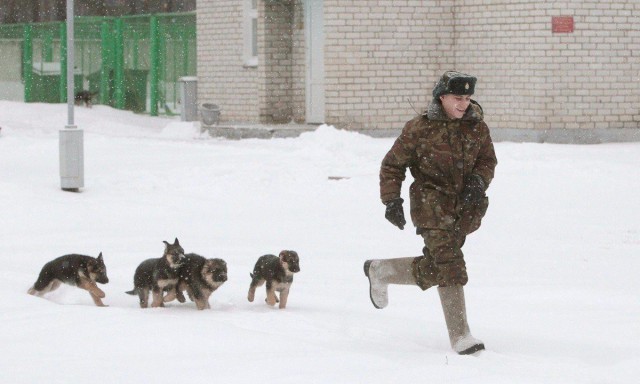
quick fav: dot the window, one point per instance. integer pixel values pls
(251, 33)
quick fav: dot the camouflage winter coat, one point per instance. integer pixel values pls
(440, 153)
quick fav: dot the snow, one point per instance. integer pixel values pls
(553, 288)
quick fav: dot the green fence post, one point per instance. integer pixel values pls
(27, 64)
(107, 62)
(155, 68)
(185, 54)
(63, 62)
(136, 43)
(47, 49)
(119, 64)
(163, 68)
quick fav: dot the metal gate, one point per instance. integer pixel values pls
(130, 62)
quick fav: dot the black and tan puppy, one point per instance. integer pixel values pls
(278, 272)
(85, 98)
(200, 277)
(77, 270)
(158, 275)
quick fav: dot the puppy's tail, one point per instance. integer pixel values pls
(252, 275)
(132, 292)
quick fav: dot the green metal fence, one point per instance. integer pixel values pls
(131, 62)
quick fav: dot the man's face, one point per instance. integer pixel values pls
(455, 105)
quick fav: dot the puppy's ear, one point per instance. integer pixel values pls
(286, 253)
(100, 257)
(176, 242)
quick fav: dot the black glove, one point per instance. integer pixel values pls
(395, 213)
(473, 191)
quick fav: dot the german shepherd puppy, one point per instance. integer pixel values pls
(77, 270)
(278, 272)
(200, 277)
(84, 97)
(158, 275)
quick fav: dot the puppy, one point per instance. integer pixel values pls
(200, 277)
(84, 97)
(158, 275)
(77, 270)
(278, 272)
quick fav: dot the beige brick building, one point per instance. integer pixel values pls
(547, 70)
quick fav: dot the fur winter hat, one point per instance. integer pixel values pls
(454, 82)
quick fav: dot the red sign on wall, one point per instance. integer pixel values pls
(562, 24)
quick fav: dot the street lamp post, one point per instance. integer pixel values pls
(71, 138)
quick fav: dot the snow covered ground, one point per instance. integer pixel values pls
(553, 287)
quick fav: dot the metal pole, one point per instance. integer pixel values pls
(155, 64)
(105, 67)
(70, 63)
(27, 66)
(119, 64)
(63, 63)
(71, 138)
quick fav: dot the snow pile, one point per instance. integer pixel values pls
(552, 292)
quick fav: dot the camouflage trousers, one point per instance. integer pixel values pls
(442, 263)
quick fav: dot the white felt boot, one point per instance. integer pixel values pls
(455, 315)
(383, 272)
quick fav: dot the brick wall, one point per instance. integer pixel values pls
(276, 58)
(532, 78)
(380, 53)
(298, 68)
(272, 91)
(383, 56)
(223, 78)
